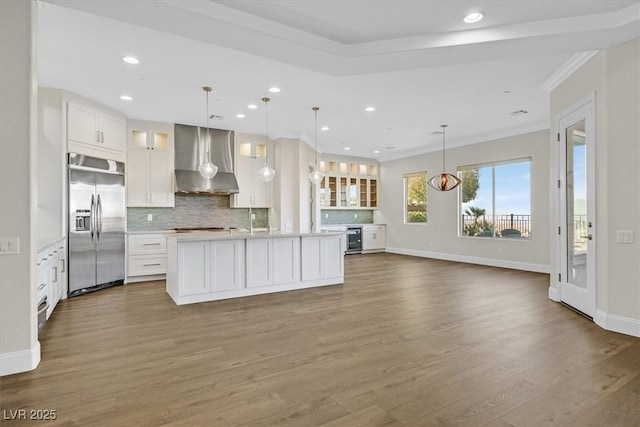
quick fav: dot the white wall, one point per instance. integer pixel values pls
(438, 238)
(614, 76)
(19, 347)
(292, 191)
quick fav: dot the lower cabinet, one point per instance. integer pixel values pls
(52, 266)
(207, 270)
(322, 257)
(373, 238)
(147, 257)
(208, 266)
(273, 261)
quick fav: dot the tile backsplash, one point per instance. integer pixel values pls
(195, 211)
(346, 216)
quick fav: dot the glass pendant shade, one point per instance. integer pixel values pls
(207, 168)
(315, 176)
(266, 173)
(444, 181)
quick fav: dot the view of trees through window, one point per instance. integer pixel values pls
(415, 191)
(496, 200)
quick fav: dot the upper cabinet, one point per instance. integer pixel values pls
(349, 184)
(150, 164)
(250, 155)
(95, 130)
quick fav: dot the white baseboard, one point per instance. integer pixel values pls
(492, 262)
(20, 361)
(623, 325)
(554, 294)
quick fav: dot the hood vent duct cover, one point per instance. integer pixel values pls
(191, 149)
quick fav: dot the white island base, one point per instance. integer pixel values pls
(213, 266)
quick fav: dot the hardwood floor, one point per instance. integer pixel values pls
(404, 342)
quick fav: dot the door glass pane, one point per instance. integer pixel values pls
(577, 205)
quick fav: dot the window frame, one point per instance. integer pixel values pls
(405, 179)
(493, 165)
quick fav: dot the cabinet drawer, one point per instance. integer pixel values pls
(142, 265)
(147, 244)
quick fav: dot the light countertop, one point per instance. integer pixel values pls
(237, 234)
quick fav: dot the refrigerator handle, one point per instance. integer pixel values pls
(99, 217)
(92, 216)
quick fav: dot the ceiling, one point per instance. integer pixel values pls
(416, 62)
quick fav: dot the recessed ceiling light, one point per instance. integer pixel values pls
(376, 151)
(370, 109)
(473, 17)
(240, 116)
(126, 98)
(274, 89)
(131, 60)
(252, 106)
(324, 128)
(347, 148)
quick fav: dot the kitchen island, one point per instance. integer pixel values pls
(208, 266)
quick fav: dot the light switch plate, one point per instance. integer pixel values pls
(9, 245)
(624, 236)
(149, 217)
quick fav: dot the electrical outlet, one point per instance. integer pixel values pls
(253, 216)
(355, 215)
(150, 217)
(326, 215)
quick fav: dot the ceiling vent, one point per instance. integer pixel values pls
(518, 112)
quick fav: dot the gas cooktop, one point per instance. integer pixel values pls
(196, 229)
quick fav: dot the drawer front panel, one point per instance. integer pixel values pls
(147, 244)
(146, 265)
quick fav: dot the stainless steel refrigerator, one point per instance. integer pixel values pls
(96, 224)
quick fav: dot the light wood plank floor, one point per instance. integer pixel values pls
(404, 342)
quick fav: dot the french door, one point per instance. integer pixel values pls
(577, 220)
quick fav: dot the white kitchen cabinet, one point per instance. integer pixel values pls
(194, 274)
(349, 183)
(51, 266)
(147, 257)
(95, 130)
(205, 267)
(227, 265)
(273, 261)
(250, 154)
(373, 238)
(150, 164)
(322, 257)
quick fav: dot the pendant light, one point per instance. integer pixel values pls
(266, 173)
(444, 181)
(315, 176)
(207, 168)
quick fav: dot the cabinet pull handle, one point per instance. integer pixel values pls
(101, 137)
(55, 274)
(64, 265)
(150, 244)
(97, 136)
(42, 286)
(150, 265)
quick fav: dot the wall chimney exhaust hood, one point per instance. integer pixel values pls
(191, 149)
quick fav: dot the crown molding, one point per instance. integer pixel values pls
(506, 133)
(567, 69)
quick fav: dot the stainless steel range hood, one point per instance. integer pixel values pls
(190, 153)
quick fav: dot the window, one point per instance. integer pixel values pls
(496, 199)
(415, 196)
